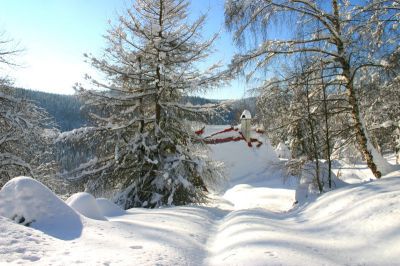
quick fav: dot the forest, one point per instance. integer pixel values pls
(65, 110)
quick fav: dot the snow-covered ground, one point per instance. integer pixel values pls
(249, 221)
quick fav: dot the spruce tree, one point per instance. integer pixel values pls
(146, 153)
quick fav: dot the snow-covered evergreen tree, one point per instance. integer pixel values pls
(146, 153)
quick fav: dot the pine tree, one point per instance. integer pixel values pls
(146, 153)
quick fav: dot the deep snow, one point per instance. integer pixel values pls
(85, 204)
(250, 221)
(27, 201)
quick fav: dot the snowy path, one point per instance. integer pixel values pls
(355, 225)
(358, 225)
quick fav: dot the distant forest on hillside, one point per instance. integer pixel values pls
(66, 109)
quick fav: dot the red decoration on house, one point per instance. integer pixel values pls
(210, 140)
(200, 131)
(224, 140)
(236, 135)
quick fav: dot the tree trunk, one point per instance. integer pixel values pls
(360, 133)
(141, 111)
(361, 136)
(397, 147)
(327, 138)
(158, 71)
(313, 139)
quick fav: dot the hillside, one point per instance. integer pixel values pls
(66, 108)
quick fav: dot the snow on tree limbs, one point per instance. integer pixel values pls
(348, 41)
(146, 153)
(23, 137)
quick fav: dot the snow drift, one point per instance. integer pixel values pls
(96, 209)
(29, 202)
(107, 208)
(354, 225)
(251, 222)
(85, 204)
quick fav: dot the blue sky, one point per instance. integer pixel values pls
(56, 33)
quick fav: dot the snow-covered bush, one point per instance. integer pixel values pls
(308, 185)
(107, 208)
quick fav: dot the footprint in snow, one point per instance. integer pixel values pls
(136, 247)
(31, 258)
(271, 253)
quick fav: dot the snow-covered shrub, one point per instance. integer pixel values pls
(25, 139)
(308, 184)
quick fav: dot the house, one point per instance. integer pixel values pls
(244, 154)
(243, 132)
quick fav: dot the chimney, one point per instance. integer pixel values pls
(245, 122)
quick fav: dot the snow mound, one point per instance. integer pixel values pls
(85, 204)
(107, 208)
(29, 202)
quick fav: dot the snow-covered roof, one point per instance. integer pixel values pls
(246, 115)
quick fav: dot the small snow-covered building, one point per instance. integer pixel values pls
(245, 125)
(244, 133)
(244, 149)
